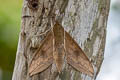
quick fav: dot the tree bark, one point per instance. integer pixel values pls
(85, 20)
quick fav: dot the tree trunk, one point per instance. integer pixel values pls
(85, 20)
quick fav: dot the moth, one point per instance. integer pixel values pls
(57, 47)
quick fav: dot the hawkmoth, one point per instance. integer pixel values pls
(57, 46)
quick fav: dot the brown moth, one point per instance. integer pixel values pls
(55, 48)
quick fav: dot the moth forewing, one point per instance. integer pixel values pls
(43, 56)
(76, 57)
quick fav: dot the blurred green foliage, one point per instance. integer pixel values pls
(116, 6)
(10, 16)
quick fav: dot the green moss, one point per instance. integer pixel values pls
(101, 5)
(89, 43)
(77, 76)
(64, 5)
(65, 75)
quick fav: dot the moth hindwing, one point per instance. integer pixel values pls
(57, 45)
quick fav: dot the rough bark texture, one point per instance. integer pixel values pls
(85, 20)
